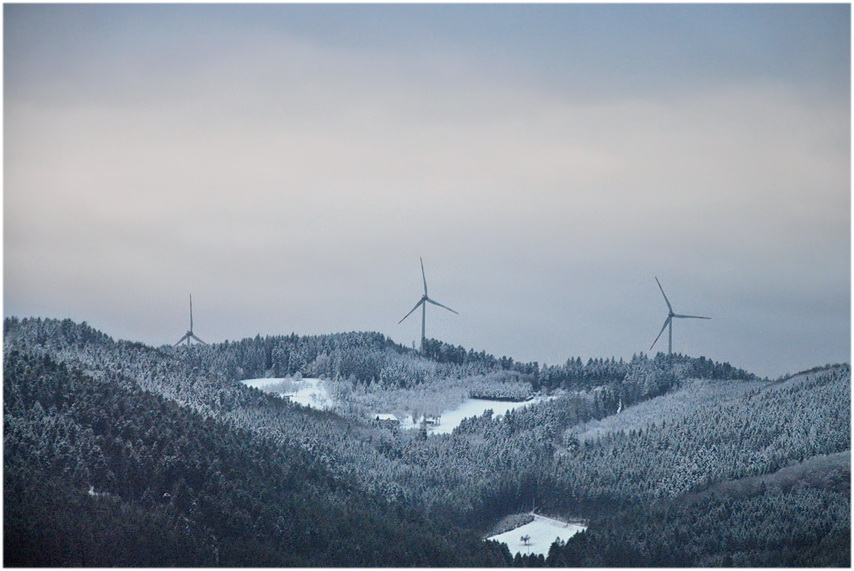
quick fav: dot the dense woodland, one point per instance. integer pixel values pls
(174, 462)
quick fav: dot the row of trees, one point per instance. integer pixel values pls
(368, 358)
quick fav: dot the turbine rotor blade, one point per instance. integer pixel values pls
(423, 276)
(191, 312)
(670, 307)
(691, 316)
(197, 339)
(184, 338)
(440, 305)
(663, 327)
(411, 310)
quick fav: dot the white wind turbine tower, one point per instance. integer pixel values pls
(423, 305)
(189, 334)
(669, 321)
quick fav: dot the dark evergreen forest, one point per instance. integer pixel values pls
(121, 454)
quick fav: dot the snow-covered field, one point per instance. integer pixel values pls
(542, 533)
(469, 407)
(315, 393)
(307, 392)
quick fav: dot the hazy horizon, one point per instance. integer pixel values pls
(287, 165)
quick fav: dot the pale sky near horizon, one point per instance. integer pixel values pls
(287, 165)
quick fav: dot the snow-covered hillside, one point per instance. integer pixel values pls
(66, 384)
(693, 394)
(308, 392)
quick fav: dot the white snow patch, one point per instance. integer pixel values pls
(451, 419)
(309, 392)
(316, 393)
(543, 531)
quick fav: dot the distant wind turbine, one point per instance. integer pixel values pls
(669, 321)
(423, 305)
(189, 334)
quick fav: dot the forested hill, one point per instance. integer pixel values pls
(164, 445)
(99, 472)
(370, 358)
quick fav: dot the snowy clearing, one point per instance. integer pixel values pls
(541, 532)
(315, 393)
(451, 419)
(307, 392)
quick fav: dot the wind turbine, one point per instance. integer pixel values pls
(189, 334)
(669, 321)
(423, 305)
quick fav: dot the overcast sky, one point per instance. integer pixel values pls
(288, 166)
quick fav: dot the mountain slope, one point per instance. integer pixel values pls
(170, 487)
(759, 432)
(758, 480)
(796, 517)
